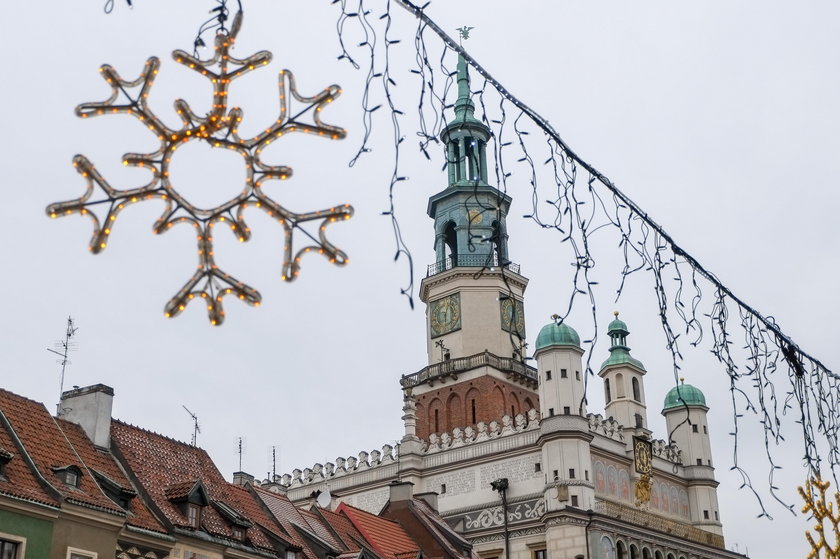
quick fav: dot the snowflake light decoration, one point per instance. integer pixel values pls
(219, 128)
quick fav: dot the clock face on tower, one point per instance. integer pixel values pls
(445, 315)
(513, 315)
(643, 457)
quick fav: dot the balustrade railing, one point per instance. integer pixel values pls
(471, 261)
(460, 364)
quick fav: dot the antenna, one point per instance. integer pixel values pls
(196, 428)
(240, 449)
(63, 349)
(273, 473)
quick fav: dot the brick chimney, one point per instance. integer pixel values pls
(241, 478)
(90, 408)
(400, 491)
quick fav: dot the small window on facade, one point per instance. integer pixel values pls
(442, 488)
(574, 500)
(537, 467)
(705, 431)
(694, 428)
(607, 392)
(577, 375)
(586, 474)
(540, 554)
(699, 461)
(571, 473)
(639, 421)
(73, 553)
(567, 410)
(706, 514)
(9, 549)
(716, 515)
(550, 412)
(556, 475)
(237, 534)
(637, 391)
(548, 375)
(709, 461)
(563, 373)
(71, 477)
(437, 421)
(291, 555)
(472, 404)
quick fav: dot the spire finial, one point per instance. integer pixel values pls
(615, 314)
(682, 380)
(555, 317)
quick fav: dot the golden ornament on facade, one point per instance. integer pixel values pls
(643, 490)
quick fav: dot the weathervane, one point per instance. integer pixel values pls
(465, 32)
(219, 129)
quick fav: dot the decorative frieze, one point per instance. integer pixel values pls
(342, 467)
(482, 432)
(493, 517)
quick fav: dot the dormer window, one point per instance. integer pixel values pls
(5, 458)
(237, 534)
(194, 515)
(69, 475)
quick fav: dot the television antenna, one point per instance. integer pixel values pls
(196, 428)
(63, 349)
(240, 449)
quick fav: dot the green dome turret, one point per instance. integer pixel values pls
(557, 334)
(619, 352)
(683, 395)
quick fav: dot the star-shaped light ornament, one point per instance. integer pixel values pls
(219, 128)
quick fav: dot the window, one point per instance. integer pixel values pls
(586, 474)
(11, 549)
(694, 428)
(563, 373)
(550, 412)
(537, 467)
(73, 553)
(574, 500)
(640, 423)
(442, 488)
(237, 534)
(706, 514)
(556, 475)
(607, 393)
(548, 375)
(705, 431)
(437, 421)
(577, 375)
(567, 410)
(571, 473)
(540, 554)
(716, 516)
(194, 515)
(472, 405)
(699, 461)
(290, 555)
(637, 391)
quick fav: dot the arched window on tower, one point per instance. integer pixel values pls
(497, 238)
(473, 163)
(450, 238)
(455, 160)
(637, 392)
(607, 391)
(619, 386)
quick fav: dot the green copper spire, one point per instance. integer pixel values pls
(464, 107)
(619, 352)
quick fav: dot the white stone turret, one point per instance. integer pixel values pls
(624, 389)
(685, 416)
(564, 430)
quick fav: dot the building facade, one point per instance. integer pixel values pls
(519, 467)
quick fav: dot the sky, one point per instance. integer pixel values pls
(719, 119)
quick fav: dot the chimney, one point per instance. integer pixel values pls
(90, 408)
(400, 491)
(241, 478)
(431, 499)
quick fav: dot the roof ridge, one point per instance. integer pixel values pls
(149, 431)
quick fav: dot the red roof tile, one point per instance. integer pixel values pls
(49, 449)
(104, 464)
(288, 516)
(386, 537)
(168, 470)
(20, 481)
(343, 528)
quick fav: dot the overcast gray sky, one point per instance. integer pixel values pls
(720, 119)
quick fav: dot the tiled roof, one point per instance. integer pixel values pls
(168, 469)
(435, 536)
(103, 463)
(20, 481)
(48, 447)
(386, 537)
(288, 516)
(345, 531)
